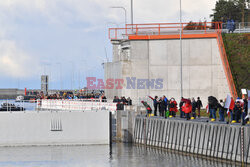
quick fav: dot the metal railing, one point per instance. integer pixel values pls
(164, 29)
(74, 105)
(226, 66)
(56, 105)
(242, 27)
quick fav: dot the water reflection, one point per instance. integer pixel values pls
(119, 154)
(148, 156)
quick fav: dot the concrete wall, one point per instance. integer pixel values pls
(124, 122)
(54, 128)
(209, 139)
(203, 73)
(8, 93)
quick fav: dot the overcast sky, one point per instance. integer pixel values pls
(66, 39)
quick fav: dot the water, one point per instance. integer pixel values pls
(27, 105)
(121, 155)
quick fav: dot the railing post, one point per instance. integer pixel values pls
(115, 33)
(159, 29)
(181, 28)
(126, 30)
(205, 27)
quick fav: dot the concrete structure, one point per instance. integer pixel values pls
(54, 128)
(209, 139)
(124, 121)
(10, 93)
(45, 84)
(203, 73)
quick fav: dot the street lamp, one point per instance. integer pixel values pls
(60, 75)
(132, 11)
(125, 12)
(181, 48)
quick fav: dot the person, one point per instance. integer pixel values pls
(162, 106)
(116, 100)
(198, 106)
(221, 110)
(245, 111)
(212, 105)
(129, 101)
(166, 103)
(148, 108)
(124, 100)
(104, 99)
(182, 114)
(237, 112)
(173, 107)
(187, 107)
(155, 103)
(193, 108)
(233, 25)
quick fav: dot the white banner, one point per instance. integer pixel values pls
(228, 101)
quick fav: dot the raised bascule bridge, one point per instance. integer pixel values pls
(190, 60)
(174, 58)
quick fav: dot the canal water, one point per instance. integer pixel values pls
(27, 105)
(120, 155)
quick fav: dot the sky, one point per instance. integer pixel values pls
(68, 39)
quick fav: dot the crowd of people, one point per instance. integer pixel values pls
(191, 108)
(122, 100)
(72, 95)
(169, 107)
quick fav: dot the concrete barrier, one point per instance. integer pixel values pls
(54, 128)
(209, 139)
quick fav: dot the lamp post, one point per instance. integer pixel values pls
(125, 12)
(181, 49)
(60, 75)
(132, 13)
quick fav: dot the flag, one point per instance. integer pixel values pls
(207, 108)
(229, 104)
(231, 107)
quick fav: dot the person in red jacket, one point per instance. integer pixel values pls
(173, 107)
(187, 107)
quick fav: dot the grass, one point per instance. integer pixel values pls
(237, 47)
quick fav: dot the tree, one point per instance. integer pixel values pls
(225, 10)
(243, 5)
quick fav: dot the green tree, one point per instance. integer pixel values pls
(225, 10)
(243, 5)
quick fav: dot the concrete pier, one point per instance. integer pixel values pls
(223, 141)
(54, 128)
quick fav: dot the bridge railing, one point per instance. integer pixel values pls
(163, 29)
(241, 27)
(226, 66)
(56, 105)
(74, 105)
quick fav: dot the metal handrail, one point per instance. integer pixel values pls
(58, 105)
(226, 66)
(159, 28)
